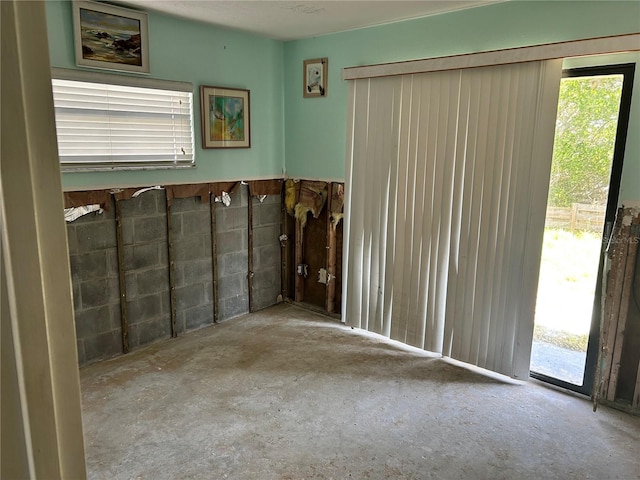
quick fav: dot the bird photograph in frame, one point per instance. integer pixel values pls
(315, 77)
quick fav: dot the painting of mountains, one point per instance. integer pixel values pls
(111, 37)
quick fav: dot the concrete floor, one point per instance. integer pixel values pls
(288, 394)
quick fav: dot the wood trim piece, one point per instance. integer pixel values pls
(331, 253)
(214, 259)
(250, 248)
(124, 322)
(299, 283)
(35, 256)
(172, 265)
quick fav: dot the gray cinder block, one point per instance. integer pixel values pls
(96, 235)
(89, 266)
(141, 256)
(152, 281)
(189, 296)
(150, 229)
(234, 306)
(144, 308)
(233, 263)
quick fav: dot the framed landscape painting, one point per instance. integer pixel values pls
(226, 121)
(110, 37)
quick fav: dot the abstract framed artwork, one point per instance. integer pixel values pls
(111, 37)
(226, 117)
(315, 77)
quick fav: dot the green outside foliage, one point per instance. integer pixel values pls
(585, 135)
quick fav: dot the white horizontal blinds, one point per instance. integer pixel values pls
(111, 126)
(447, 178)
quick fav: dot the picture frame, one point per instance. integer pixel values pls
(110, 37)
(226, 117)
(315, 77)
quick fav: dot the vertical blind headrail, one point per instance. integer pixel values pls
(549, 51)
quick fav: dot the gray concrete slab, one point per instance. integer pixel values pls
(561, 363)
(287, 394)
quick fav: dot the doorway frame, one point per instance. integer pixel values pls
(627, 70)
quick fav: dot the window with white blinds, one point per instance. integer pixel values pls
(112, 126)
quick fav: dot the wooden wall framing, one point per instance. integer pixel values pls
(618, 357)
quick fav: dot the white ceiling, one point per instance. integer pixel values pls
(292, 20)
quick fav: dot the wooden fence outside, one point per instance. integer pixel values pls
(579, 216)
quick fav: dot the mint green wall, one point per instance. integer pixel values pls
(204, 55)
(315, 139)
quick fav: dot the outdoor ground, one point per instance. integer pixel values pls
(566, 290)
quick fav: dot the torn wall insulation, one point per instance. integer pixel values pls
(73, 213)
(313, 196)
(291, 194)
(218, 188)
(337, 203)
(126, 193)
(225, 199)
(146, 189)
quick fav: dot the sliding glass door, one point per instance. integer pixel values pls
(591, 129)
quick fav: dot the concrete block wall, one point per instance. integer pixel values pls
(94, 266)
(96, 294)
(144, 232)
(191, 230)
(267, 220)
(232, 246)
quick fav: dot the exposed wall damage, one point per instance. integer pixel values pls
(618, 374)
(164, 260)
(154, 262)
(317, 250)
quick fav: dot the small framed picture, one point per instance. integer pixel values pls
(315, 77)
(226, 117)
(110, 37)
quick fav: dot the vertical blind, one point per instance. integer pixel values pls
(110, 126)
(447, 180)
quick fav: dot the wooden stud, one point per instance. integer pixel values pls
(284, 250)
(299, 293)
(214, 258)
(612, 306)
(121, 279)
(250, 247)
(331, 253)
(635, 404)
(625, 296)
(172, 268)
